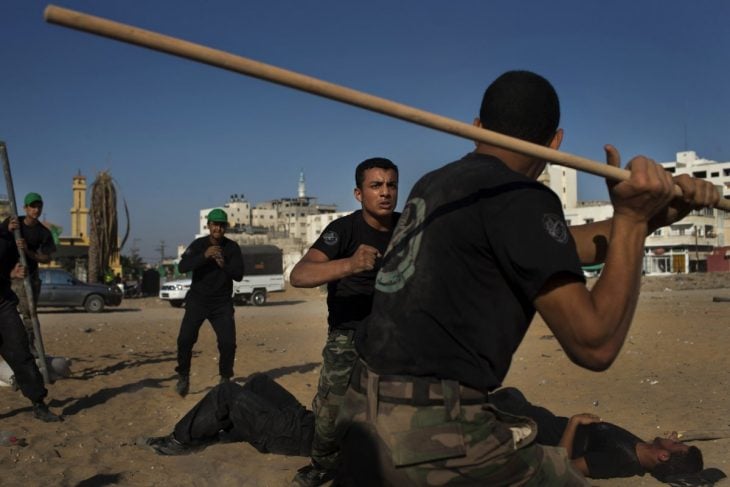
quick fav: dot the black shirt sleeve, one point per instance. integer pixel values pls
(233, 258)
(532, 240)
(192, 258)
(333, 240)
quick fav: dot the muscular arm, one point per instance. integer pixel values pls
(315, 268)
(591, 326)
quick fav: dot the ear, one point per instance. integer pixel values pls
(557, 139)
(358, 194)
(478, 124)
(663, 455)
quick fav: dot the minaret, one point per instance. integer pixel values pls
(302, 188)
(79, 211)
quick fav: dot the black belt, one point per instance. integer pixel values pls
(413, 390)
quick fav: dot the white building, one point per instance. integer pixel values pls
(681, 247)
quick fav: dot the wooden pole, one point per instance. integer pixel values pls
(38, 342)
(238, 64)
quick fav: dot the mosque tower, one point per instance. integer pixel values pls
(302, 189)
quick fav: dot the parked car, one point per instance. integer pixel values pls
(61, 289)
(174, 291)
(262, 274)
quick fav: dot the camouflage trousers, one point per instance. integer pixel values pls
(394, 443)
(338, 358)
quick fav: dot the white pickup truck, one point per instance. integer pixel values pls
(262, 274)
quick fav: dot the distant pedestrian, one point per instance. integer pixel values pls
(216, 262)
(39, 247)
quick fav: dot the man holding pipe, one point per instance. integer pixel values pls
(480, 247)
(39, 247)
(14, 347)
(346, 257)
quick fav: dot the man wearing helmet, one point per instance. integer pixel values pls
(215, 262)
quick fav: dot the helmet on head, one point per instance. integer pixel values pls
(218, 216)
(31, 198)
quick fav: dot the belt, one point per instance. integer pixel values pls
(413, 390)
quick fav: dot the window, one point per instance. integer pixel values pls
(700, 174)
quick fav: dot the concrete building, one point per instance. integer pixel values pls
(680, 248)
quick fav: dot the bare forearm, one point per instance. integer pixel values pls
(616, 292)
(313, 274)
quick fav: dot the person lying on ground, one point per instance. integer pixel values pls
(261, 412)
(599, 449)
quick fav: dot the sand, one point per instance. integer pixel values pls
(672, 374)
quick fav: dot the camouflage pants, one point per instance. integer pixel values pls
(338, 359)
(398, 444)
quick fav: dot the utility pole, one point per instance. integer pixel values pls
(161, 249)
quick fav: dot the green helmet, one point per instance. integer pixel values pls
(31, 198)
(217, 215)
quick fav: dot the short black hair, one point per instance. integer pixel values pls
(521, 104)
(679, 463)
(379, 162)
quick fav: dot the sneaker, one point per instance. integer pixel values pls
(41, 411)
(183, 385)
(168, 445)
(312, 475)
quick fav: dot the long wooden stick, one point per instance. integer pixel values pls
(38, 339)
(239, 64)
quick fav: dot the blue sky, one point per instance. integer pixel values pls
(649, 76)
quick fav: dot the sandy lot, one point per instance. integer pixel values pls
(672, 375)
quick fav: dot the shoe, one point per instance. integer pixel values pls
(183, 385)
(312, 475)
(168, 445)
(41, 411)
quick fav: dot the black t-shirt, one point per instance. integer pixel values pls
(210, 282)
(609, 450)
(8, 259)
(349, 299)
(37, 238)
(475, 244)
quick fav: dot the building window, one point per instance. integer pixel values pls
(715, 175)
(700, 174)
(589, 220)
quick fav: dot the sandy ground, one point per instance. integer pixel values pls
(672, 375)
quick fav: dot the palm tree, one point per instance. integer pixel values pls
(103, 235)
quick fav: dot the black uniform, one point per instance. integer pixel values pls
(37, 239)
(261, 413)
(349, 299)
(14, 346)
(609, 450)
(209, 297)
(475, 244)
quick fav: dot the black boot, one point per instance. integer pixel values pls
(168, 445)
(41, 411)
(313, 475)
(183, 385)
